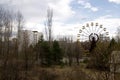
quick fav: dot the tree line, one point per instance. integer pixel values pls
(18, 59)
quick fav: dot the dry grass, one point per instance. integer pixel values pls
(69, 73)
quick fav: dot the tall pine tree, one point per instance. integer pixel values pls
(56, 53)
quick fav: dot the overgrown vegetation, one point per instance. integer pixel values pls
(50, 59)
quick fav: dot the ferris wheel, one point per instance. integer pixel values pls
(92, 30)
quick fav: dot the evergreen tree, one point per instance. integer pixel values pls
(46, 54)
(112, 46)
(43, 53)
(38, 50)
(56, 53)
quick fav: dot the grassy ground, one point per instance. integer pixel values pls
(69, 73)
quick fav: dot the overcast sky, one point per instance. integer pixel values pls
(68, 15)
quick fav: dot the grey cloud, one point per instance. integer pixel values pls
(36, 9)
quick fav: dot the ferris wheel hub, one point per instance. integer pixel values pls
(93, 36)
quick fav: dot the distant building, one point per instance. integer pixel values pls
(32, 37)
(115, 61)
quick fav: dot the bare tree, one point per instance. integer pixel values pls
(117, 38)
(20, 23)
(1, 28)
(8, 68)
(118, 34)
(25, 51)
(69, 50)
(7, 31)
(48, 25)
(78, 51)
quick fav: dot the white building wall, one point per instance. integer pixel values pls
(30, 34)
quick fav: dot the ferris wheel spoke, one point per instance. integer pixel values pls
(103, 30)
(85, 33)
(83, 39)
(88, 28)
(96, 29)
(100, 31)
(85, 30)
(92, 28)
(99, 28)
(84, 36)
